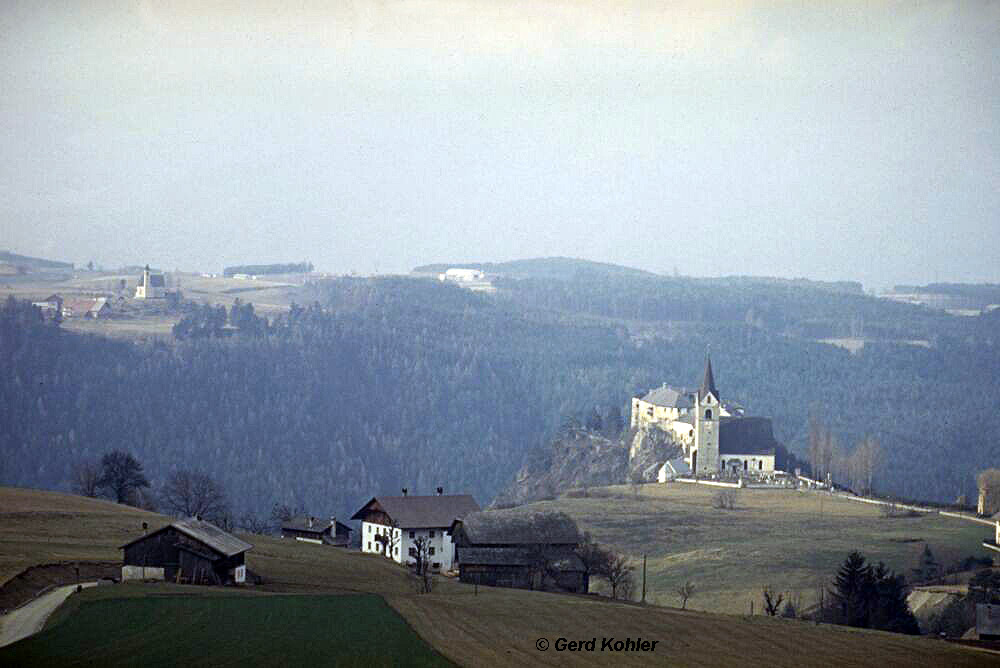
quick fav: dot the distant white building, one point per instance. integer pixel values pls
(151, 286)
(470, 279)
(391, 525)
(464, 275)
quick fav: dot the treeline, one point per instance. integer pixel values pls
(389, 383)
(291, 268)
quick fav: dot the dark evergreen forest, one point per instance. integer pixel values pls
(394, 382)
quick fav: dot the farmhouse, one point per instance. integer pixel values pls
(312, 530)
(85, 307)
(391, 525)
(190, 550)
(151, 286)
(714, 435)
(522, 550)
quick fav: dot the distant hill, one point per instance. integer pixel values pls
(560, 268)
(32, 263)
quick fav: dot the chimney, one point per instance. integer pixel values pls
(405, 491)
(440, 491)
(333, 523)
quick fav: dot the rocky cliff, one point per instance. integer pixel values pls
(579, 459)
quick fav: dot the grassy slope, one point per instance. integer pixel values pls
(497, 627)
(38, 527)
(275, 630)
(793, 541)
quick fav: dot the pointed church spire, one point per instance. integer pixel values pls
(708, 384)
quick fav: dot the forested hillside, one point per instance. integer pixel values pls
(389, 383)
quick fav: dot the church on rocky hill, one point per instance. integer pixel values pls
(715, 436)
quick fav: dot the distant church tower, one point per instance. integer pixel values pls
(705, 457)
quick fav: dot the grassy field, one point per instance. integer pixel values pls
(493, 627)
(793, 541)
(38, 527)
(174, 629)
(500, 627)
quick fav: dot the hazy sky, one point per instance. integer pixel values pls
(828, 140)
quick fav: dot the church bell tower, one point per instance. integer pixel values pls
(705, 459)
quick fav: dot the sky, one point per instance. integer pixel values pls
(828, 140)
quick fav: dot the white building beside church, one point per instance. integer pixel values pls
(391, 525)
(715, 436)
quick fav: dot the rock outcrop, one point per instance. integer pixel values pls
(580, 459)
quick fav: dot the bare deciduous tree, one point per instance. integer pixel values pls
(772, 601)
(121, 476)
(388, 538)
(86, 475)
(421, 566)
(194, 494)
(685, 591)
(619, 573)
(864, 463)
(252, 523)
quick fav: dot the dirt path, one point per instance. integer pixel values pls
(30, 617)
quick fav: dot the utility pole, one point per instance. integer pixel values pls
(643, 577)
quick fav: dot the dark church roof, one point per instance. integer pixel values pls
(746, 436)
(518, 527)
(156, 281)
(708, 383)
(421, 512)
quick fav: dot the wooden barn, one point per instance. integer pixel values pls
(190, 550)
(313, 530)
(524, 550)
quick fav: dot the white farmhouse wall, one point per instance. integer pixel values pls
(406, 539)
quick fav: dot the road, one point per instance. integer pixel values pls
(30, 617)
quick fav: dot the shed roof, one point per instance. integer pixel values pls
(670, 397)
(419, 512)
(205, 533)
(319, 525)
(519, 527)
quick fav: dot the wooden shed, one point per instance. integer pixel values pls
(189, 550)
(524, 550)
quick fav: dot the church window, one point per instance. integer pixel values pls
(760, 465)
(708, 413)
(744, 465)
(432, 533)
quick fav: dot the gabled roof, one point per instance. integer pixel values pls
(319, 525)
(746, 436)
(670, 397)
(206, 533)
(420, 512)
(708, 382)
(519, 527)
